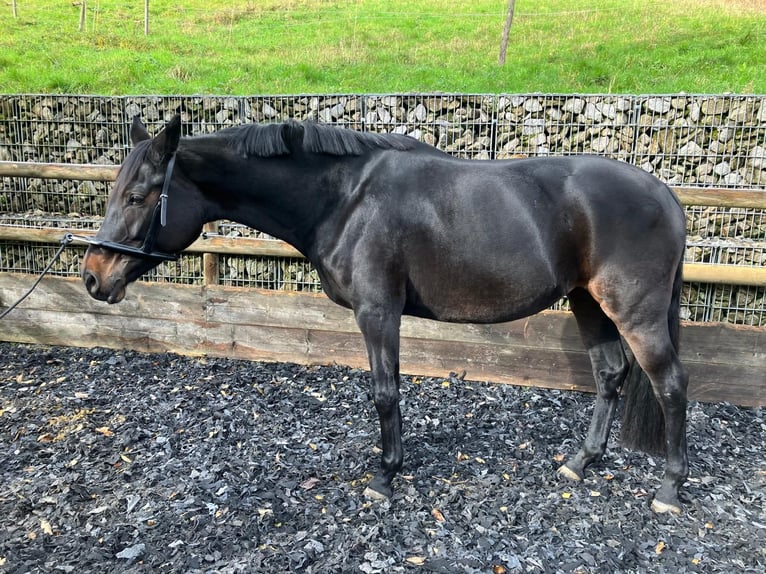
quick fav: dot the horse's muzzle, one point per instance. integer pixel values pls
(101, 281)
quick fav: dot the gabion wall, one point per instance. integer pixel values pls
(685, 140)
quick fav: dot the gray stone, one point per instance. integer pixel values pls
(574, 105)
(592, 113)
(691, 148)
(533, 105)
(658, 105)
(757, 157)
(722, 168)
(600, 144)
(533, 126)
(421, 113)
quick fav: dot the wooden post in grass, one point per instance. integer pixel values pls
(146, 17)
(506, 31)
(15, 11)
(82, 15)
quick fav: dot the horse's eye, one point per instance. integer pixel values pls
(135, 199)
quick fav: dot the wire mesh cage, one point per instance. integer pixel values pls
(277, 273)
(740, 304)
(690, 140)
(21, 257)
(344, 110)
(557, 124)
(62, 129)
(703, 140)
(24, 257)
(461, 125)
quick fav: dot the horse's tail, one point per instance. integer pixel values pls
(643, 422)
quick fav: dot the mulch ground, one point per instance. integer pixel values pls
(128, 462)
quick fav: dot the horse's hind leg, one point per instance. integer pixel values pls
(656, 353)
(610, 367)
(648, 320)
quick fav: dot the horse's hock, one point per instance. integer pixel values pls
(692, 142)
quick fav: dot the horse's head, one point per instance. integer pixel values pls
(141, 228)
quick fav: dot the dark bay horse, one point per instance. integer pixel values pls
(394, 227)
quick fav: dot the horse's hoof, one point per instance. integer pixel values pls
(662, 507)
(374, 495)
(564, 470)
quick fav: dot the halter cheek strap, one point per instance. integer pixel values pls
(165, 188)
(159, 219)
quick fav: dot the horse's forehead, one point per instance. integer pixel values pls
(148, 173)
(145, 176)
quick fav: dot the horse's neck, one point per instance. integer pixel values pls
(283, 196)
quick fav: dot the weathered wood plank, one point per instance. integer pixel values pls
(155, 300)
(716, 197)
(725, 274)
(725, 362)
(59, 170)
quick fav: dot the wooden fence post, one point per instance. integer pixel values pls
(506, 31)
(210, 263)
(83, 9)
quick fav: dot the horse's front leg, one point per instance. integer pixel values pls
(380, 328)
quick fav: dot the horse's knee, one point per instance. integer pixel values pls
(386, 399)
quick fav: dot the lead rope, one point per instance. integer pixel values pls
(65, 241)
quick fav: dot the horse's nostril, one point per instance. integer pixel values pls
(91, 281)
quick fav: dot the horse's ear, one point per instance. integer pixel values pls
(165, 143)
(138, 132)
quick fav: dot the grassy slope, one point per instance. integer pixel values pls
(313, 46)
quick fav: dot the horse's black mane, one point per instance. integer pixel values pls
(268, 140)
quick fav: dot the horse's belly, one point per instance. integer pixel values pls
(482, 301)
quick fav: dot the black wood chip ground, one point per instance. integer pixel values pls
(129, 462)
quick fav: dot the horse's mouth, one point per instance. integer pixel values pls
(111, 291)
(117, 294)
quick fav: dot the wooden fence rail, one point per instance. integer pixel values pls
(216, 245)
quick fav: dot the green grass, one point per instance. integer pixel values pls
(320, 46)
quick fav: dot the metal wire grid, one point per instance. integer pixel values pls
(62, 129)
(38, 220)
(186, 271)
(723, 222)
(208, 114)
(703, 140)
(684, 139)
(68, 197)
(461, 125)
(233, 229)
(727, 236)
(551, 124)
(21, 257)
(738, 304)
(277, 273)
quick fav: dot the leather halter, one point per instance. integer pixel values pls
(159, 219)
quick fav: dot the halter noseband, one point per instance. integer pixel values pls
(159, 219)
